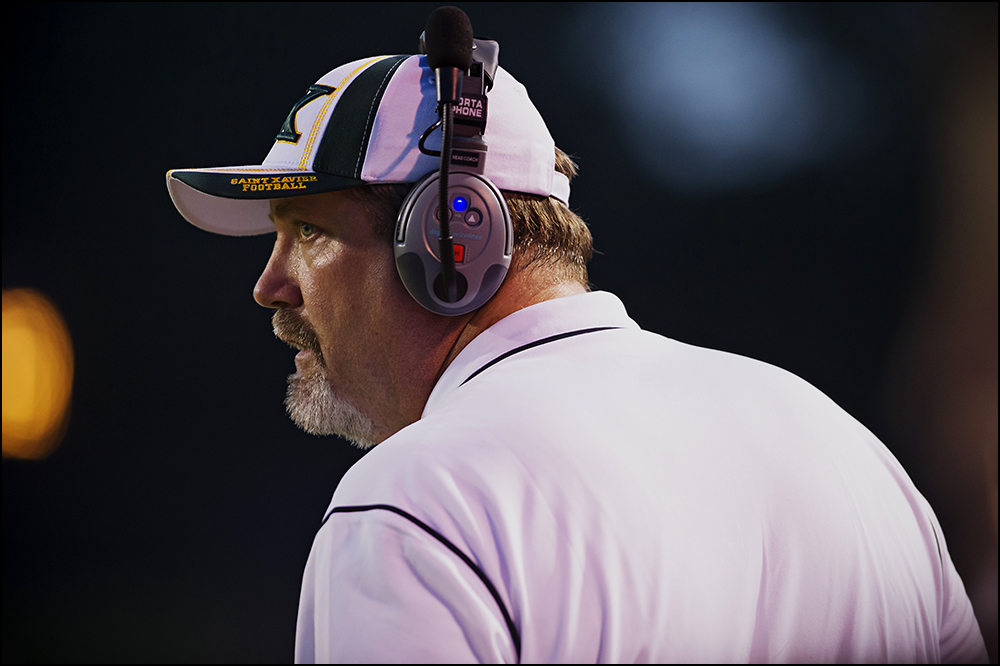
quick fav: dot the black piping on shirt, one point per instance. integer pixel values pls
(514, 633)
(536, 343)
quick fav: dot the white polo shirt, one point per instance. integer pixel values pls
(615, 496)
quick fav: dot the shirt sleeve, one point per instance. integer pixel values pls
(380, 587)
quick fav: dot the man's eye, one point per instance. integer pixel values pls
(306, 230)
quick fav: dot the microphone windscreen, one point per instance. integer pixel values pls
(448, 37)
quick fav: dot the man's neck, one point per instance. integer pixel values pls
(520, 290)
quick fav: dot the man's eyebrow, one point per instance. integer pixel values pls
(280, 209)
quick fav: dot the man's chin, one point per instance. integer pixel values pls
(314, 407)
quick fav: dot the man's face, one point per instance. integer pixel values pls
(339, 300)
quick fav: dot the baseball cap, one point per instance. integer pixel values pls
(361, 124)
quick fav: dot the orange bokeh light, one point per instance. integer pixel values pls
(37, 374)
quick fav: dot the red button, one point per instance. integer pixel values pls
(459, 253)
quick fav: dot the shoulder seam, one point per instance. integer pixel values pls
(514, 633)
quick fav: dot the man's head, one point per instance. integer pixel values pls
(346, 157)
(369, 352)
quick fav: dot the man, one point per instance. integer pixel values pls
(551, 483)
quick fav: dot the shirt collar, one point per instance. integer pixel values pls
(553, 317)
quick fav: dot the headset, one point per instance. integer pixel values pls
(454, 238)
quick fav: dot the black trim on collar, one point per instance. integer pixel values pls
(536, 343)
(514, 633)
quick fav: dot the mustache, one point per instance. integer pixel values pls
(295, 331)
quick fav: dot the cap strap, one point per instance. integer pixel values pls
(560, 187)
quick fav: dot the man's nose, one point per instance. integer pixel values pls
(277, 286)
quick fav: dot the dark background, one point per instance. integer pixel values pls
(173, 522)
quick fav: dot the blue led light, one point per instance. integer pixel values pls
(460, 204)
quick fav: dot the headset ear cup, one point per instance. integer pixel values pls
(461, 284)
(483, 235)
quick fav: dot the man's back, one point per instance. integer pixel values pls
(612, 495)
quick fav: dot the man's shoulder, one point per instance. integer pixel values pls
(534, 412)
(431, 457)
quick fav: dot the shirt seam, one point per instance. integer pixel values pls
(511, 627)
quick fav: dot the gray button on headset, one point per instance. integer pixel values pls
(437, 215)
(473, 218)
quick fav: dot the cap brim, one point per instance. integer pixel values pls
(234, 200)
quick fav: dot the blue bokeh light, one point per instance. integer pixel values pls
(719, 96)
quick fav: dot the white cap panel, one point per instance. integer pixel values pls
(408, 108)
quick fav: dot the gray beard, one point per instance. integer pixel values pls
(314, 407)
